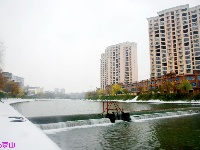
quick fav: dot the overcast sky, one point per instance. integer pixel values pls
(58, 43)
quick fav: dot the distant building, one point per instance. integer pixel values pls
(174, 42)
(34, 90)
(56, 90)
(119, 64)
(62, 91)
(14, 78)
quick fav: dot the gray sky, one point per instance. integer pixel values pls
(58, 43)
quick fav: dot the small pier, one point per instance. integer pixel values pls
(115, 111)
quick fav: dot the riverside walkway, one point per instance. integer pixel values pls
(18, 133)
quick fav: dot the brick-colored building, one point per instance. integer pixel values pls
(145, 86)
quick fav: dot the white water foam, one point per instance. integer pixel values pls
(74, 124)
(146, 117)
(54, 131)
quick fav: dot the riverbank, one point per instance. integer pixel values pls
(18, 132)
(152, 101)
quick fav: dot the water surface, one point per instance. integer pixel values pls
(179, 133)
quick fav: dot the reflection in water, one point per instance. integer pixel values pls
(173, 133)
(118, 136)
(128, 135)
(179, 133)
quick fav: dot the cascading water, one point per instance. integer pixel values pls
(72, 123)
(163, 115)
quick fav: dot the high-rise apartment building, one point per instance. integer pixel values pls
(174, 41)
(119, 64)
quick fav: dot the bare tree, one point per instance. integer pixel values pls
(2, 48)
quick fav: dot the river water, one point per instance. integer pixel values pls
(58, 119)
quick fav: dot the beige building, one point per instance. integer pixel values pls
(34, 90)
(119, 64)
(174, 41)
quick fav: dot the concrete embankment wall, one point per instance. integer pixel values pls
(17, 132)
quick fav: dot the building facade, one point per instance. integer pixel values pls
(62, 91)
(14, 78)
(119, 64)
(174, 41)
(31, 91)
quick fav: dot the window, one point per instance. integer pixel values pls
(194, 24)
(158, 70)
(161, 19)
(198, 67)
(188, 61)
(184, 14)
(164, 68)
(187, 52)
(187, 48)
(194, 16)
(197, 53)
(188, 66)
(187, 57)
(186, 44)
(184, 18)
(185, 9)
(194, 20)
(186, 39)
(193, 84)
(197, 58)
(195, 36)
(194, 11)
(170, 80)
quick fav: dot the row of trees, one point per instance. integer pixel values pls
(9, 88)
(169, 97)
(110, 93)
(169, 87)
(49, 95)
(168, 91)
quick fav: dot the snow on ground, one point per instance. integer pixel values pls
(20, 133)
(150, 101)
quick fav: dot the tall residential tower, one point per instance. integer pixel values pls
(119, 64)
(174, 41)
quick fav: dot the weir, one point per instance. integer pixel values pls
(115, 111)
(72, 123)
(152, 116)
(112, 111)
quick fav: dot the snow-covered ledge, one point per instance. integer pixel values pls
(18, 133)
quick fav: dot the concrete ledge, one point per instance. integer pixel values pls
(15, 128)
